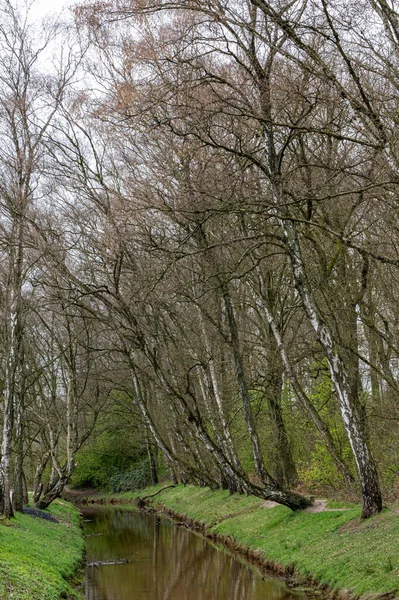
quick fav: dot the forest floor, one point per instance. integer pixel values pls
(327, 547)
(40, 553)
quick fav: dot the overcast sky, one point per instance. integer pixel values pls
(43, 8)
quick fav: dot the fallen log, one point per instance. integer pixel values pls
(102, 563)
(141, 501)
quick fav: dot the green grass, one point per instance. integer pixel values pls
(37, 556)
(335, 547)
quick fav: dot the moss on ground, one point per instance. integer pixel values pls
(336, 547)
(38, 558)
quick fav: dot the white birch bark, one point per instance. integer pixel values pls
(354, 427)
(302, 396)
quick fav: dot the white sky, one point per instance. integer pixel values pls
(43, 8)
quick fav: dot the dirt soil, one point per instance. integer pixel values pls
(319, 505)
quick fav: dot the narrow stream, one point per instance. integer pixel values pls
(166, 562)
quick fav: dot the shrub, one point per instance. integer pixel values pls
(137, 479)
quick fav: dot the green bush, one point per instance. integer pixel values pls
(109, 453)
(320, 472)
(137, 479)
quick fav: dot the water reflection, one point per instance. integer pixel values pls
(166, 562)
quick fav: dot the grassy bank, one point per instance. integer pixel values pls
(38, 557)
(333, 547)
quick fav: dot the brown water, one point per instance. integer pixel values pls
(166, 562)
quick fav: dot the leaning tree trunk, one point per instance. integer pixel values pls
(151, 458)
(305, 400)
(352, 417)
(54, 493)
(285, 470)
(260, 469)
(216, 414)
(219, 431)
(37, 482)
(271, 491)
(72, 443)
(169, 453)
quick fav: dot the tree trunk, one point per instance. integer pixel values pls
(151, 459)
(6, 456)
(305, 401)
(352, 417)
(285, 470)
(14, 359)
(260, 469)
(54, 493)
(232, 484)
(18, 499)
(270, 492)
(37, 482)
(25, 493)
(1, 493)
(60, 475)
(212, 384)
(170, 455)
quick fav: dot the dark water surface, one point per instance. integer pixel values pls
(166, 562)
